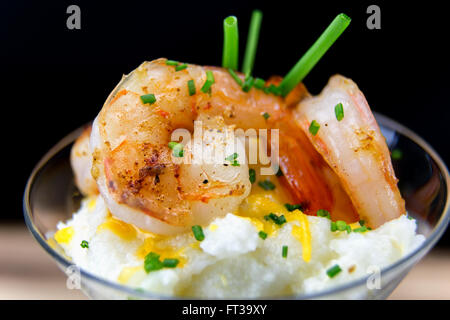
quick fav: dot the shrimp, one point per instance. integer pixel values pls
(354, 148)
(133, 165)
(81, 162)
(144, 184)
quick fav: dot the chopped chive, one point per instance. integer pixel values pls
(172, 63)
(259, 83)
(279, 220)
(148, 98)
(210, 76)
(334, 270)
(409, 217)
(152, 262)
(333, 226)
(248, 83)
(323, 213)
(230, 53)
(170, 263)
(84, 244)
(339, 111)
(252, 175)
(361, 229)
(252, 42)
(284, 252)
(198, 233)
(348, 229)
(292, 207)
(341, 225)
(266, 115)
(362, 223)
(172, 144)
(396, 154)
(177, 149)
(232, 157)
(262, 235)
(191, 87)
(274, 89)
(181, 67)
(313, 55)
(314, 127)
(209, 81)
(233, 160)
(235, 76)
(266, 185)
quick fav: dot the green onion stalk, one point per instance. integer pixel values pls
(314, 54)
(230, 54)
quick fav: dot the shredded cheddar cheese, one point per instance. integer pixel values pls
(64, 235)
(127, 273)
(121, 229)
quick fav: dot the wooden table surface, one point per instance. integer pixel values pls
(27, 272)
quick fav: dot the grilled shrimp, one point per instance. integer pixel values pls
(81, 162)
(137, 175)
(354, 148)
(142, 183)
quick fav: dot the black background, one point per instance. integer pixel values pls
(55, 79)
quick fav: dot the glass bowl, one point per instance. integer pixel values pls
(51, 196)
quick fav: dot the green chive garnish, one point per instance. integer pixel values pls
(361, 229)
(314, 127)
(177, 149)
(152, 262)
(362, 223)
(323, 213)
(266, 185)
(232, 157)
(209, 81)
(252, 175)
(274, 89)
(248, 83)
(259, 83)
(148, 98)
(266, 115)
(252, 42)
(396, 154)
(313, 55)
(235, 76)
(292, 207)
(284, 252)
(333, 226)
(341, 225)
(334, 270)
(170, 263)
(339, 111)
(262, 235)
(279, 220)
(181, 67)
(84, 244)
(230, 53)
(198, 233)
(233, 160)
(172, 63)
(191, 87)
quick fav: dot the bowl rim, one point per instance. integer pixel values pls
(437, 232)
